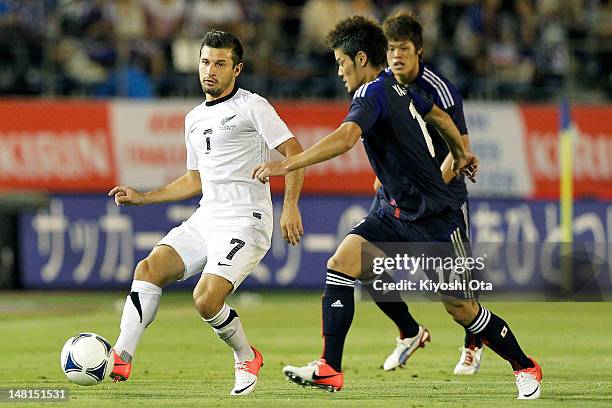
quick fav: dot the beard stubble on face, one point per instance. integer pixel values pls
(217, 89)
(213, 91)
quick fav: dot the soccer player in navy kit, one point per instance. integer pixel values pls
(417, 206)
(404, 52)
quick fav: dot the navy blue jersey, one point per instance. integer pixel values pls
(399, 149)
(443, 93)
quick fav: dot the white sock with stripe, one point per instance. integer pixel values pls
(226, 324)
(138, 312)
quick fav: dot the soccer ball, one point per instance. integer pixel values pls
(87, 358)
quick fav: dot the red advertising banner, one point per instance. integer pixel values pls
(349, 173)
(592, 150)
(54, 146)
(149, 141)
(90, 146)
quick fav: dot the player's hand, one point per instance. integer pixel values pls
(125, 195)
(467, 165)
(264, 171)
(291, 224)
(471, 168)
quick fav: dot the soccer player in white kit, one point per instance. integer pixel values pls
(230, 232)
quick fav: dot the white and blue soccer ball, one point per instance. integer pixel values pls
(87, 358)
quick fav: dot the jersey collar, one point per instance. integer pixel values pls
(225, 98)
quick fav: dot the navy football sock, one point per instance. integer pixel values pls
(392, 304)
(472, 340)
(496, 334)
(338, 307)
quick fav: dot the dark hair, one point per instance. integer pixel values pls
(404, 27)
(222, 39)
(358, 33)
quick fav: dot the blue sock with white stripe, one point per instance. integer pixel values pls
(338, 308)
(496, 334)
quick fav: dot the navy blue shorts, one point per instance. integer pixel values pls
(381, 227)
(448, 231)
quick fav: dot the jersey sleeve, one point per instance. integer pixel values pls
(422, 105)
(192, 157)
(267, 122)
(365, 108)
(456, 114)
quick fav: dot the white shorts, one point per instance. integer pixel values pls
(226, 250)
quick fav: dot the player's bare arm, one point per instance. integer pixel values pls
(291, 220)
(462, 158)
(447, 165)
(336, 143)
(184, 187)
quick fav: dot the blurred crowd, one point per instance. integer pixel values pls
(492, 49)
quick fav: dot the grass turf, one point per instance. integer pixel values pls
(180, 362)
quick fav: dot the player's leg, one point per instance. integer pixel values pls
(338, 308)
(389, 302)
(209, 297)
(472, 350)
(411, 335)
(234, 255)
(393, 306)
(179, 255)
(162, 266)
(338, 301)
(494, 331)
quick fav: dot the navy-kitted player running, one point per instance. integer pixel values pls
(418, 205)
(404, 53)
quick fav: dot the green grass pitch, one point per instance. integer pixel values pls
(180, 362)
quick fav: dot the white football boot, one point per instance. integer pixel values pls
(469, 362)
(405, 348)
(317, 374)
(246, 374)
(529, 381)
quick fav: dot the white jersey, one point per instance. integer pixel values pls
(226, 138)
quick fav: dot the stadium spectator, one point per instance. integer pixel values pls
(78, 73)
(128, 19)
(318, 17)
(602, 33)
(512, 70)
(21, 24)
(164, 18)
(139, 58)
(489, 48)
(219, 14)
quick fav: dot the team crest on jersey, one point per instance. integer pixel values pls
(225, 126)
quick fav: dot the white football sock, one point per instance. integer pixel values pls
(139, 311)
(227, 325)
